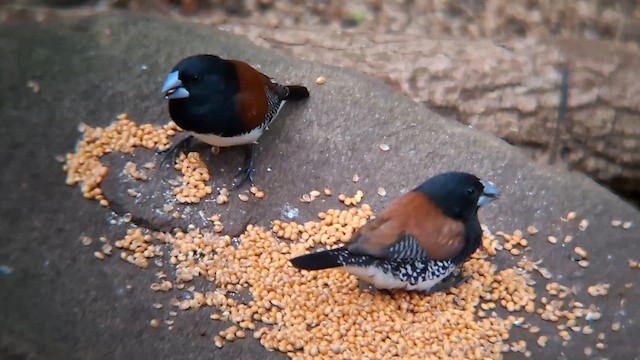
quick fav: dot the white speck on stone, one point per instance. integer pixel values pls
(289, 212)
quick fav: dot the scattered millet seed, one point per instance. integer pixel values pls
(131, 170)
(243, 197)
(221, 199)
(133, 193)
(552, 239)
(305, 198)
(157, 306)
(600, 289)
(327, 191)
(615, 326)
(214, 218)
(253, 190)
(588, 351)
(570, 216)
(86, 240)
(627, 225)
(583, 263)
(260, 194)
(382, 191)
(600, 346)
(568, 239)
(99, 255)
(355, 178)
(124, 135)
(195, 175)
(581, 252)
(154, 323)
(616, 222)
(584, 223)
(218, 341)
(633, 264)
(106, 249)
(320, 80)
(532, 230)
(384, 147)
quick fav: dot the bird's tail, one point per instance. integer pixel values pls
(321, 260)
(296, 92)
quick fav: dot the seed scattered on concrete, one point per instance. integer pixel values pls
(615, 326)
(355, 178)
(133, 193)
(570, 216)
(384, 147)
(195, 175)
(321, 80)
(382, 191)
(154, 323)
(86, 240)
(568, 239)
(581, 252)
(627, 225)
(584, 223)
(532, 230)
(131, 170)
(601, 346)
(583, 263)
(633, 264)
(99, 255)
(552, 239)
(327, 191)
(588, 351)
(106, 249)
(616, 222)
(243, 197)
(600, 289)
(157, 306)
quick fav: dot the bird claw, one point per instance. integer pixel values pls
(173, 151)
(244, 175)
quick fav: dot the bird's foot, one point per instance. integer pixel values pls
(175, 149)
(246, 173)
(243, 175)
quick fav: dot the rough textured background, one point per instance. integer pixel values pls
(61, 303)
(493, 64)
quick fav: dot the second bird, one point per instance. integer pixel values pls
(225, 103)
(418, 240)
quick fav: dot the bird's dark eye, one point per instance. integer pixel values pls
(471, 191)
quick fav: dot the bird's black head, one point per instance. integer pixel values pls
(458, 194)
(196, 77)
(200, 90)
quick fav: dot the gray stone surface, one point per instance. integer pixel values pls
(61, 303)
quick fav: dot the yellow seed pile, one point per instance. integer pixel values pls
(194, 178)
(138, 247)
(354, 200)
(124, 135)
(324, 313)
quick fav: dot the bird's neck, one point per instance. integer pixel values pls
(473, 239)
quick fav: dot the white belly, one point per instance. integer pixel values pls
(381, 280)
(226, 141)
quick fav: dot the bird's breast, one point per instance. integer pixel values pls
(227, 141)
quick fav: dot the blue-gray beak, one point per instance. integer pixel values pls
(488, 194)
(172, 87)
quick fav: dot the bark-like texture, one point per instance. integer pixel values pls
(510, 89)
